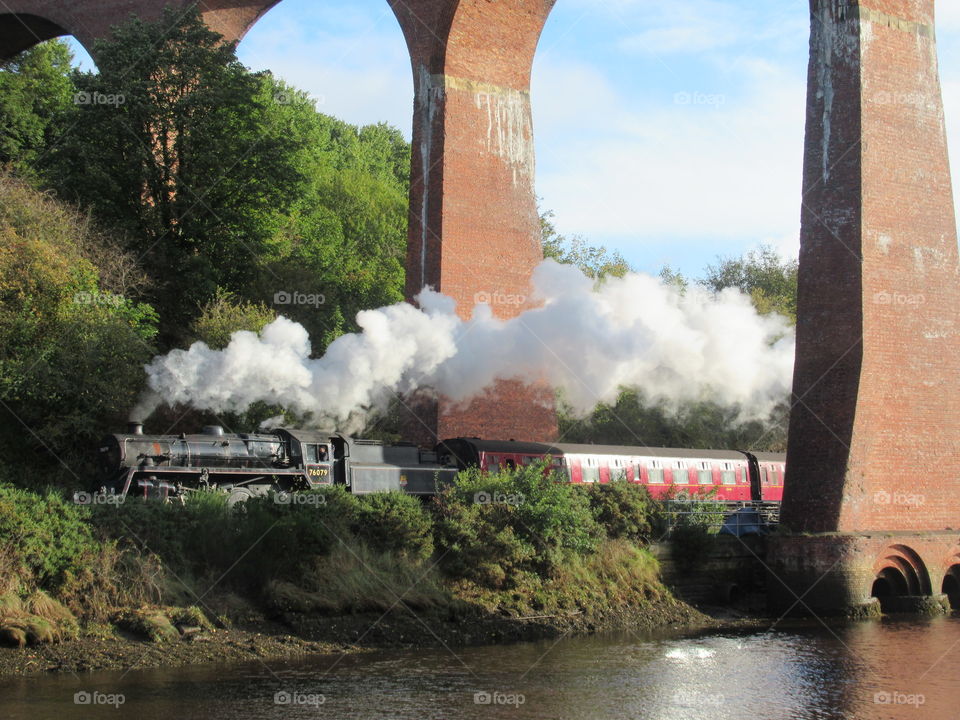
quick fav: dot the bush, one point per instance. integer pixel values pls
(624, 510)
(492, 528)
(395, 522)
(49, 536)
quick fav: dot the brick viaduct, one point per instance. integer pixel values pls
(873, 460)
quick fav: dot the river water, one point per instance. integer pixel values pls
(889, 669)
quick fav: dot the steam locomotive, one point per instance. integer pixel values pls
(289, 460)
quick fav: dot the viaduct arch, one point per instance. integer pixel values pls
(873, 458)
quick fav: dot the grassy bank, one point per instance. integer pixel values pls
(512, 546)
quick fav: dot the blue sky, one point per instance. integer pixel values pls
(670, 130)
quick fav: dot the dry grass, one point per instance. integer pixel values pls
(150, 623)
(38, 619)
(357, 579)
(115, 579)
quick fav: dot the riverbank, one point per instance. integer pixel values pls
(492, 559)
(299, 635)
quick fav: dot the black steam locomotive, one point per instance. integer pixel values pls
(247, 465)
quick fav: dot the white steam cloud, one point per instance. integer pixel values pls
(590, 342)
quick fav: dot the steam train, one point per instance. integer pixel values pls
(289, 460)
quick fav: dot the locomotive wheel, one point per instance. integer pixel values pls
(238, 495)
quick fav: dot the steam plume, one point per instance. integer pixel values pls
(634, 332)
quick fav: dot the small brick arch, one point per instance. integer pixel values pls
(951, 578)
(899, 570)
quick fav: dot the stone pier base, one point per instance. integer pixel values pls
(858, 575)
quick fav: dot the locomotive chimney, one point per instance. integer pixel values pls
(135, 428)
(213, 430)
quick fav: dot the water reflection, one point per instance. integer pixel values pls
(894, 669)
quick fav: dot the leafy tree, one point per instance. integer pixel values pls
(344, 243)
(225, 314)
(182, 148)
(36, 91)
(769, 280)
(594, 260)
(72, 345)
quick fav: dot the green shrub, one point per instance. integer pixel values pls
(49, 536)
(493, 528)
(624, 510)
(395, 522)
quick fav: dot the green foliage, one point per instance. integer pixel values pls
(623, 509)
(595, 261)
(182, 148)
(72, 338)
(493, 529)
(394, 522)
(224, 315)
(634, 420)
(49, 536)
(36, 92)
(770, 281)
(691, 524)
(354, 578)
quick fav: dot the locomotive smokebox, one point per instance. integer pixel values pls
(135, 428)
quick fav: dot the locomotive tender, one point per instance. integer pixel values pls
(288, 460)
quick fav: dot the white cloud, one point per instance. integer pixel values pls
(694, 165)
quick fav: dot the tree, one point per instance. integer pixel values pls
(73, 336)
(594, 260)
(186, 152)
(769, 280)
(36, 91)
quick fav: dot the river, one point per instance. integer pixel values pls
(889, 669)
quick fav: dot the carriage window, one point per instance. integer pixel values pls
(526, 460)
(728, 476)
(680, 473)
(510, 464)
(764, 478)
(656, 475)
(705, 474)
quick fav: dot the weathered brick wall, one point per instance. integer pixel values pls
(875, 430)
(474, 229)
